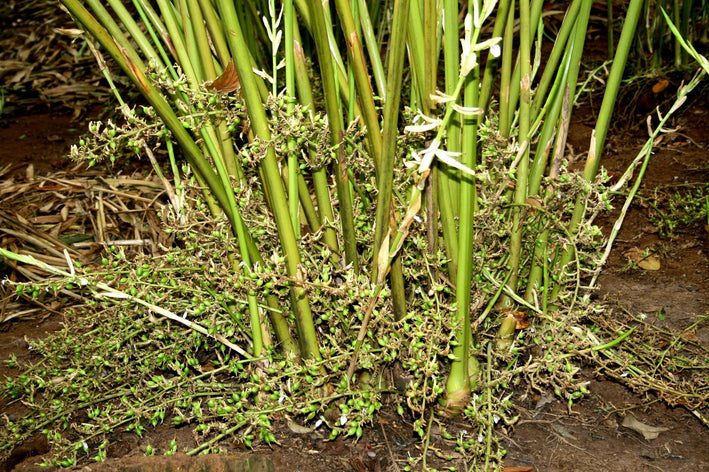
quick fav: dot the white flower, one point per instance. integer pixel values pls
(468, 60)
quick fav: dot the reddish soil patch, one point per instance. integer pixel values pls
(40, 140)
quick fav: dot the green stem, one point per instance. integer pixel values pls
(522, 170)
(458, 384)
(372, 49)
(328, 72)
(612, 86)
(603, 123)
(361, 76)
(385, 175)
(498, 30)
(293, 166)
(272, 180)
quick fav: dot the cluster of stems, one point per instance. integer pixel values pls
(369, 56)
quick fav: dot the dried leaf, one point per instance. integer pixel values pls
(648, 432)
(298, 429)
(534, 201)
(228, 81)
(73, 32)
(522, 319)
(643, 260)
(650, 263)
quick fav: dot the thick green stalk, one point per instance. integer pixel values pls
(372, 49)
(242, 235)
(431, 52)
(449, 177)
(444, 200)
(534, 16)
(506, 73)
(216, 33)
(522, 171)
(613, 85)
(603, 123)
(564, 86)
(181, 51)
(424, 171)
(560, 47)
(201, 52)
(304, 13)
(311, 216)
(395, 68)
(417, 59)
(204, 56)
(125, 56)
(503, 7)
(334, 113)
(131, 27)
(293, 166)
(458, 384)
(158, 33)
(278, 321)
(272, 180)
(325, 220)
(558, 119)
(193, 52)
(121, 50)
(341, 74)
(549, 129)
(357, 61)
(424, 64)
(344, 194)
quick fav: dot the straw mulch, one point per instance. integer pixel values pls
(70, 217)
(41, 65)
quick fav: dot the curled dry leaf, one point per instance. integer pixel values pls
(228, 81)
(642, 259)
(648, 432)
(534, 201)
(298, 429)
(650, 263)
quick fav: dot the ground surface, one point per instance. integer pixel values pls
(548, 437)
(553, 439)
